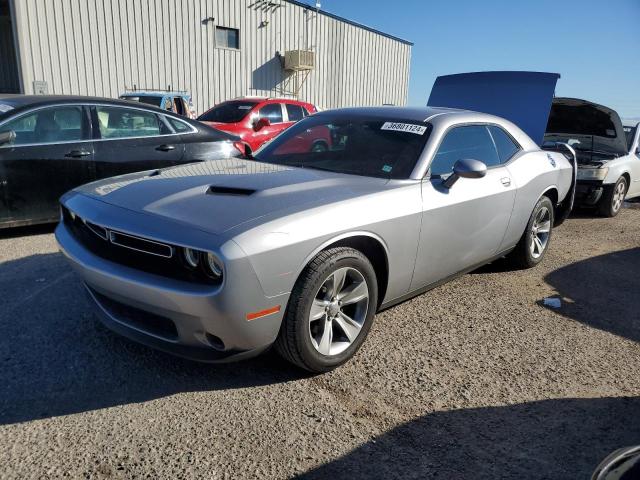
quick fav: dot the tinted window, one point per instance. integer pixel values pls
(115, 122)
(464, 142)
(178, 126)
(273, 112)
(148, 99)
(506, 146)
(295, 112)
(228, 112)
(357, 146)
(227, 37)
(49, 125)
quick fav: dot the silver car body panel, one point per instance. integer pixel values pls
(284, 216)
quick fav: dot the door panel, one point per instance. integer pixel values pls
(37, 170)
(132, 140)
(462, 226)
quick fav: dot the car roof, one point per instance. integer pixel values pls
(154, 93)
(267, 99)
(417, 114)
(18, 101)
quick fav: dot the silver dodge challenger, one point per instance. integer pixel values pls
(346, 213)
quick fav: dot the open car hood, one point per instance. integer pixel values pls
(523, 98)
(586, 126)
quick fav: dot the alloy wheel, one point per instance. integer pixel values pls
(338, 311)
(618, 196)
(540, 231)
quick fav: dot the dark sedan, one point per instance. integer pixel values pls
(51, 144)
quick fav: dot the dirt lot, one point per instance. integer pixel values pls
(476, 379)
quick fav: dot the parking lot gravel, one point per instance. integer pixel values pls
(476, 379)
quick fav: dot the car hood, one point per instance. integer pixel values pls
(218, 195)
(587, 127)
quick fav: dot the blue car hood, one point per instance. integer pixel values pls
(523, 98)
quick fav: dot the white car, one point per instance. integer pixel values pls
(608, 153)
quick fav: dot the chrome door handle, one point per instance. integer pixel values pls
(77, 154)
(506, 181)
(165, 148)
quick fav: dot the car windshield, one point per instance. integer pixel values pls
(148, 99)
(373, 147)
(228, 112)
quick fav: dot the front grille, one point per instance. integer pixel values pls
(140, 244)
(132, 251)
(140, 319)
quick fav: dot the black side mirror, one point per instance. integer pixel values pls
(466, 168)
(7, 137)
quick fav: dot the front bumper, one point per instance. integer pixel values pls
(589, 192)
(199, 322)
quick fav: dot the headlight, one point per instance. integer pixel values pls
(202, 263)
(191, 257)
(592, 173)
(213, 266)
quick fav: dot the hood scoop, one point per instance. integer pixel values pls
(235, 191)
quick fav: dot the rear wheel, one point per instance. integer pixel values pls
(319, 146)
(535, 240)
(613, 198)
(330, 311)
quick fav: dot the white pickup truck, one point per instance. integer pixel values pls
(608, 152)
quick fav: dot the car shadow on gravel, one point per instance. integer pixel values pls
(565, 438)
(57, 359)
(602, 292)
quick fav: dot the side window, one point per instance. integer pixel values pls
(116, 122)
(180, 108)
(272, 111)
(178, 126)
(473, 141)
(49, 125)
(506, 146)
(295, 112)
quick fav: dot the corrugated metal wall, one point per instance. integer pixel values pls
(98, 47)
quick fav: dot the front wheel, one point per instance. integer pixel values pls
(613, 198)
(330, 311)
(535, 240)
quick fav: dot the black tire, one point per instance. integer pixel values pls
(319, 146)
(294, 342)
(522, 257)
(609, 204)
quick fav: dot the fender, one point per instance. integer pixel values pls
(343, 236)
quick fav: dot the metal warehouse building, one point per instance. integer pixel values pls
(215, 49)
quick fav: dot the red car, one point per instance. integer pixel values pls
(256, 120)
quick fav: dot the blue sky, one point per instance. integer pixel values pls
(593, 44)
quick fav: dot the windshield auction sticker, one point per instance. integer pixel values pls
(5, 108)
(404, 127)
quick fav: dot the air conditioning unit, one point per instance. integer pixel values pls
(298, 60)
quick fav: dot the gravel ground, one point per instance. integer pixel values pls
(475, 379)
